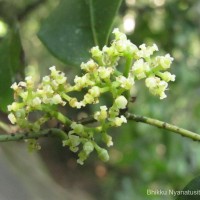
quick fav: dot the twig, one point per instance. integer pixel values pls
(60, 133)
(164, 125)
(33, 135)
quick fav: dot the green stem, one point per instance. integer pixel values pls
(59, 116)
(129, 61)
(33, 135)
(89, 120)
(164, 125)
(128, 65)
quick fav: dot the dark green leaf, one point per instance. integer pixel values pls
(10, 65)
(191, 190)
(77, 25)
(103, 13)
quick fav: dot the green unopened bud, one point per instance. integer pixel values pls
(88, 147)
(103, 154)
(107, 139)
(167, 76)
(96, 52)
(121, 102)
(78, 128)
(164, 61)
(94, 91)
(12, 118)
(82, 157)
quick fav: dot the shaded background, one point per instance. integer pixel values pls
(143, 157)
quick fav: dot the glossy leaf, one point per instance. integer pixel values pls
(191, 190)
(10, 64)
(103, 13)
(77, 25)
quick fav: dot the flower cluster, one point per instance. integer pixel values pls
(100, 75)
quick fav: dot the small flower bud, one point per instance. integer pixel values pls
(164, 61)
(88, 98)
(101, 115)
(167, 76)
(121, 102)
(88, 147)
(96, 52)
(46, 79)
(107, 139)
(117, 121)
(105, 72)
(14, 86)
(94, 91)
(78, 128)
(36, 102)
(90, 66)
(103, 154)
(12, 118)
(56, 99)
(151, 82)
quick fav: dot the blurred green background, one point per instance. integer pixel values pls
(143, 157)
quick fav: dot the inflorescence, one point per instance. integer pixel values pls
(100, 75)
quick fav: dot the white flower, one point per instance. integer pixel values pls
(88, 147)
(14, 86)
(36, 102)
(96, 52)
(13, 107)
(151, 82)
(24, 95)
(121, 102)
(90, 66)
(131, 48)
(79, 104)
(61, 79)
(164, 61)
(108, 140)
(140, 68)
(156, 86)
(126, 83)
(29, 80)
(47, 89)
(88, 99)
(154, 47)
(54, 84)
(46, 79)
(167, 76)
(117, 121)
(78, 128)
(52, 69)
(146, 52)
(163, 95)
(81, 82)
(94, 91)
(75, 104)
(119, 35)
(102, 114)
(105, 72)
(56, 99)
(22, 84)
(12, 118)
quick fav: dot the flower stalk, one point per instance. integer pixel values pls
(101, 74)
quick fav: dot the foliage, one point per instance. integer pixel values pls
(100, 75)
(150, 158)
(69, 35)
